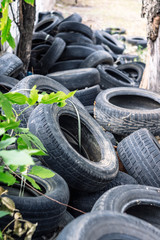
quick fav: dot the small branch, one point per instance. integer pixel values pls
(14, 19)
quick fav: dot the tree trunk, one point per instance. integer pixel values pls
(151, 77)
(26, 25)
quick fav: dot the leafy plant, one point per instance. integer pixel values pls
(18, 160)
(5, 22)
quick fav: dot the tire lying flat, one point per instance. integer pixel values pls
(119, 226)
(140, 201)
(125, 110)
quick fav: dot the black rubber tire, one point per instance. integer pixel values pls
(116, 30)
(138, 41)
(85, 201)
(125, 58)
(65, 65)
(133, 70)
(7, 83)
(142, 64)
(39, 209)
(112, 77)
(44, 15)
(111, 138)
(87, 96)
(10, 65)
(41, 38)
(79, 170)
(77, 78)
(108, 39)
(76, 52)
(36, 54)
(43, 83)
(52, 55)
(97, 58)
(75, 17)
(140, 155)
(90, 45)
(70, 26)
(125, 110)
(70, 37)
(140, 201)
(48, 25)
(108, 226)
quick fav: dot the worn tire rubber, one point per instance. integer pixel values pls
(76, 52)
(43, 83)
(77, 78)
(112, 77)
(37, 208)
(138, 41)
(125, 110)
(108, 39)
(48, 25)
(137, 200)
(70, 26)
(79, 171)
(41, 38)
(133, 70)
(10, 65)
(7, 83)
(140, 155)
(96, 58)
(87, 96)
(65, 65)
(119, 226)
(70, 37)
(85, 201)
(52, 55)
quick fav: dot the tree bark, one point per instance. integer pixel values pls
(26, 25)
(151, 77)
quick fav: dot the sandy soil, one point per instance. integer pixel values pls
(99, 14)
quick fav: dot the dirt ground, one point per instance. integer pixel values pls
(99, 14)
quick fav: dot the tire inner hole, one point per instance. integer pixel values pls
(134, 102)
(149, 213)
(89, 146)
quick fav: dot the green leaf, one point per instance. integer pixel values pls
(7, 178)
(11, 41)
(41, 172)
(2, 214)
(13, 167)
(1, 235)
(4, 14)
(7, 142)
(26, 141)
(71, 94)
(30, 2)
(16, 98)
(6, 105)
(33, 98)
(10, 125)
(36, 152)
(6, 31)
(35, 140)
(22, 130)
(5, 136)
(61, 104)
(2, 131)
(15, 157)
(32, 181)
(23, 168)
(21, 144)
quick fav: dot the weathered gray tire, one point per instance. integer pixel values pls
(87, 171)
